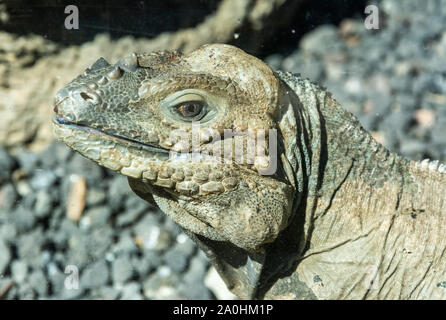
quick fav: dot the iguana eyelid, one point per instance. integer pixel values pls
(211, 104)
(184, 97)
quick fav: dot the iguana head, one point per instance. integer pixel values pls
(187, 129)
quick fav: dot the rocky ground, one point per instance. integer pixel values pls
(59, 210)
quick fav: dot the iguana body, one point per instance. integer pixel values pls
(341, 217)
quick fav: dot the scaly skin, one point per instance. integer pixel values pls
(340, 218)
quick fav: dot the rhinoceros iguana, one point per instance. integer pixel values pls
(338, 217)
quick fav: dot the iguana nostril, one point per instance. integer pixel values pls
(90, 97)
(85, 96)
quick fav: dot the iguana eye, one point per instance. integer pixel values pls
(190, 109)
(191, 105)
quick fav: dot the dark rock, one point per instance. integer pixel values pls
(28, 201)
(407, 103)
(197, 291)
(132, 214)
(8, 197)
(73, 294)
(274, 61)
(45, 257)
(77, 250)
(171, 227)
(29, 246)
(133, 202)
(43, 204)
(99, 241)
(402, 84)
(367, 121)
(43, 179)
(19, 270)
(153, 258)
(322, 40)
(95, 196)
(185, 244)
(69, 227)
(306, 66)
(118, 191)
(151, 234)
(176, 260)
(24, 219)
(95, 275)
(131, 291)
(108, 293)
(125, 244)
(27, 161)
(122, 270)
(196, 271)
(85, 248)
(57, 278)
(26, 292)
(98, 216)
(381, 103)
(5, 257)
(162, 285)
(39, 283)
(7, 163)
(413, 149)
(55, 155)
(142, 266)
(8, 231)
(85, 168)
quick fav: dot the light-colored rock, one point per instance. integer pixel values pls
(215, 283)
(76, 198)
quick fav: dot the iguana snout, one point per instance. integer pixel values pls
(96, 98)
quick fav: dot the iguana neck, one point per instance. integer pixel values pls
(373, 209)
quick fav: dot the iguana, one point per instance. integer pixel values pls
(340, 217)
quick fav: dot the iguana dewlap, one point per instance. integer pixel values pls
(340, 217)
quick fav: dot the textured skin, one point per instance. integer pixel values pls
(341, 218)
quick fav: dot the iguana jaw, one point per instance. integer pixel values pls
(119, 154)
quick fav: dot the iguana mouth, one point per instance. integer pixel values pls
(58, 120)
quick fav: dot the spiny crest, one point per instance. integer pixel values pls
(431, 165)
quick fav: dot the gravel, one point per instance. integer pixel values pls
(393, 79)
(122, 270)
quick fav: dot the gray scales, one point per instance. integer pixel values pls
(341, 217)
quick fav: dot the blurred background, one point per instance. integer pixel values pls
(64, 218)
